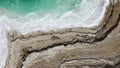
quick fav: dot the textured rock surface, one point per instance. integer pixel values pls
(97, 47)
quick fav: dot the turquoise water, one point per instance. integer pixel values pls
(27, 15)
(38, 6)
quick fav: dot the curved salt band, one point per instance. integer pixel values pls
(89, 13)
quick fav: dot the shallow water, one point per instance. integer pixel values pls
(47, 14)
(38, 6)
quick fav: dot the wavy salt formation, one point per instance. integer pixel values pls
(59, 34)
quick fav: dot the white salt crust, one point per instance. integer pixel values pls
(34, 24)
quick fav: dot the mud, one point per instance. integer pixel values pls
(96, 47)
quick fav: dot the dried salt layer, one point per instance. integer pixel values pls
(31, 15)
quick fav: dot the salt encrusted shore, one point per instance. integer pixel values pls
(69, 47)
(36, 24)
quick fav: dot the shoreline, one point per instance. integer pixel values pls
(79, 34)
(55, 26)
(96, 43)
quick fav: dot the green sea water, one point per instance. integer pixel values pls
(38, 6)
